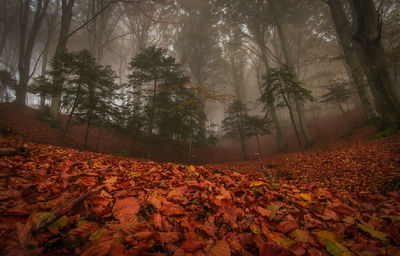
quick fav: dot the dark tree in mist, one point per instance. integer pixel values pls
(88, 88)
(282, 88)
(344, 33)
(258, 125)
(29, 29)
(165, 105)
(234, 124)
(338, 94)
(369, 36)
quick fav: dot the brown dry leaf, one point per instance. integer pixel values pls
(192, 245)
(220, 248)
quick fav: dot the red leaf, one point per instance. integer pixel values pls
(126, 209)
(167, 237)
(192, 245)
(172, 209)
(220, 248)
(263, 212)
(287, 226)
(84, 229)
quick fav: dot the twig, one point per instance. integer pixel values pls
(262, 166)
(38, 226)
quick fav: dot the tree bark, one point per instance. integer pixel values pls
(354, 68)
(368, 36)
(26, 43)
(258, 31)
(258, 142)
(291, 63)
(66, 18)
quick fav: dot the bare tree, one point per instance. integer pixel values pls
(27, 41)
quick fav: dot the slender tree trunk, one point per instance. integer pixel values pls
(258, 142)
(343, 112)
(43, 72)
(67, 125)
(150, 131)
(26, 43)
(98, 138)
(287, 103)
(294, 126)
(89, 121)
(280, 139)
(242, 139)
(66, 18)
(261, 42)
(4, 39)
(303, 124)
(291, 63)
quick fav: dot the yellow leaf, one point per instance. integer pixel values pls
(220, 197)
(257, 183)
(327, 235)
(279, 240)
(299, 235)
(191, 168)
(349, 220)
(96, 235)
(134, 174)
(60, 223)
(336, 249)
(374, 233)
(305, 197)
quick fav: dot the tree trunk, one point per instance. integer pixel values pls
(66, 18)
(353, 66)
(280, 139)
(26, 43)
(43, 72)
(261, 42)
(291, 63)
(4, 39)
(98, 138)
(258, 142)
(303, 124)
(150, 130)
(368, 36)
(87, 133)
(70, 118)
(242, 139)
(343, 112)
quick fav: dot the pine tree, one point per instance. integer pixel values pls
(281, 88)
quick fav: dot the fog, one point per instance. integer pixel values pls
(241, 76)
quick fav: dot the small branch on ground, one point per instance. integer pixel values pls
(38, 226)
(262, 166)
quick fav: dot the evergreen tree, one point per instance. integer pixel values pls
(338, 94)
(234, 124)
(258, 125)
(283, 90)
(161, 103)
(88, 92)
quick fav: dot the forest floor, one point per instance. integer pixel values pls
(340, 198)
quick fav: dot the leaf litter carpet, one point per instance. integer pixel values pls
(342, 201)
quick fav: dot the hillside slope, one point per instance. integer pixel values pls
(146, 208)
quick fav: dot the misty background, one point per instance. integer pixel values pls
(214, 78)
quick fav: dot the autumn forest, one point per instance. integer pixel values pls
(200, 127)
